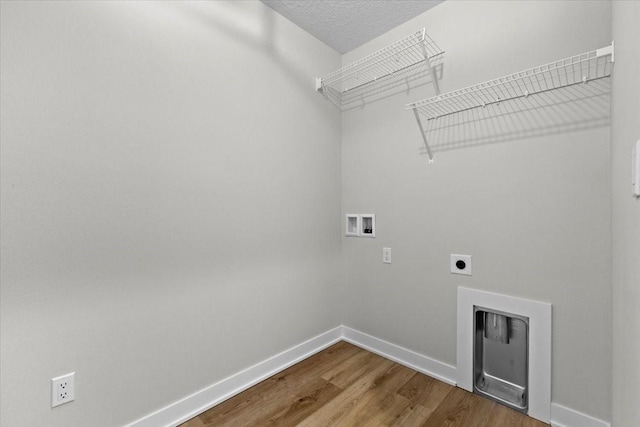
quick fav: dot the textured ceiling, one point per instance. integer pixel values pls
(347, 24)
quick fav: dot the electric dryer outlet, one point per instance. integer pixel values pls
(461, 264)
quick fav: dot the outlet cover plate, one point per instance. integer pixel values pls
(461, 264)
(63, 389)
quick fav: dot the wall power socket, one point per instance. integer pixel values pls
(63, 389)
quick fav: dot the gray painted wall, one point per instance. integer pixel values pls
(625, 130)
(156, 190)
(534, 212)
(170, 195)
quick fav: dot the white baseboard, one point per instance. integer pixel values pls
(198, 402)
(408, 358)
(561, 416)
(190, 406)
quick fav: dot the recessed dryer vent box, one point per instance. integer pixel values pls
(501, 357)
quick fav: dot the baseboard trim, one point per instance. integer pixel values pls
(401, 355)
(561, 416)
(190, 406)
(198, 402)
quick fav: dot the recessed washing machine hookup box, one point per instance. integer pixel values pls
(352, 225)
(367, 225)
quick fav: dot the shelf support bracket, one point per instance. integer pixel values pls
(609, 50)
(432, 71)
(424, 137)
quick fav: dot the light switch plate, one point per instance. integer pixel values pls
(352, 227)
(386, 255)
(635, 169)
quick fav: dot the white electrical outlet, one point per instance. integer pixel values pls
(386, 255)
(63, 389)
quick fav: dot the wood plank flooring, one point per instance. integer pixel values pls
(345, 385)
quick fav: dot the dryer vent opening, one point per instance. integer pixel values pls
(500, 357)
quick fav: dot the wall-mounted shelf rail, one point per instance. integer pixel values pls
(576, 70)
(353, 80)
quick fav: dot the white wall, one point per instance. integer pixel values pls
(171, 187)
(170, 201)
(625, 130)
(533, 212)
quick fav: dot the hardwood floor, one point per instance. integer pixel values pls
(345, 385)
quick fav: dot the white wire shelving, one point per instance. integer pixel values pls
(576, 70)
(381, 70)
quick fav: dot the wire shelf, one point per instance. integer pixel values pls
(565, 73)
(380, 69)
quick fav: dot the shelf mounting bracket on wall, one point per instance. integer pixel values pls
(424, 137)
(432, 71)
(436, 86)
